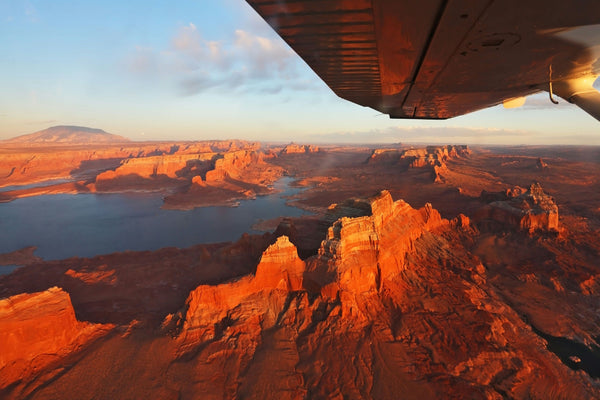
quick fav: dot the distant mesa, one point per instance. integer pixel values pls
(294, 148)
(65, 134)
(525, 209)
(433, 157)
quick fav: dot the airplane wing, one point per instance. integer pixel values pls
(438, 59)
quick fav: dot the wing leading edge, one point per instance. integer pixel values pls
(438, 59)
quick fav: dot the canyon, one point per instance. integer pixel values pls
(422, 272)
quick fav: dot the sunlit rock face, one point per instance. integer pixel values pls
(419, 157)
(294, 148)
(433, 157)
(38, 329)
(391, 299)
(351, 250)
(258, 298)
(529, 209)
(172, 166)
(232, 164)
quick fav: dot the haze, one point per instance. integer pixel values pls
(210, 70)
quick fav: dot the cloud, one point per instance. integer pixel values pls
(243, 62)
(31, 12)
(143, 61)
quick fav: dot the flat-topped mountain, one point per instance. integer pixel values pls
(66, 134)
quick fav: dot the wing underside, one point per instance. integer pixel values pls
(440, 58)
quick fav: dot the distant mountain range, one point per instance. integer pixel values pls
(65, 134)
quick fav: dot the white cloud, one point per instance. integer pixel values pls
(242, 62)
(31, 12)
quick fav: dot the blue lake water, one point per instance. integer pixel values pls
(85, 225)
(7, 269)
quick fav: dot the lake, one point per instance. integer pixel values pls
(85, 225)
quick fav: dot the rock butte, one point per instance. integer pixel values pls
(528, 210)
(370, 298)
(294, 148)
(433, 157)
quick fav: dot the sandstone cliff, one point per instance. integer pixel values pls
(251, 300)
(389, 302)
(37, 330)
(236, 175)
(528, 210)
(294, 148)
(432, 157)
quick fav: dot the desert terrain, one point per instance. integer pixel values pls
(423, 272)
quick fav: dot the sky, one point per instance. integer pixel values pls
(211, 69)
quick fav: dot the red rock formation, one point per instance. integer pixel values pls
(540, 164)
(37, 330)
(210, 308)
(529, 210)
(351, 256)
(171, 166)
(376, 315)
(294, 148)
(244, 165)
(433, 157)
(420, 157)
(236, 175)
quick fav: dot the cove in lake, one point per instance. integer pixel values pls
(573, 354)
(7, 269)
(86, 225)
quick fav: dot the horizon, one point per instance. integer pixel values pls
(281, 142)
(209, 71)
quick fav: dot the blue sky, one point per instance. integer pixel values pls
(208, 69)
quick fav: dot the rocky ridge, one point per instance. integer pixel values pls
(375, 287)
